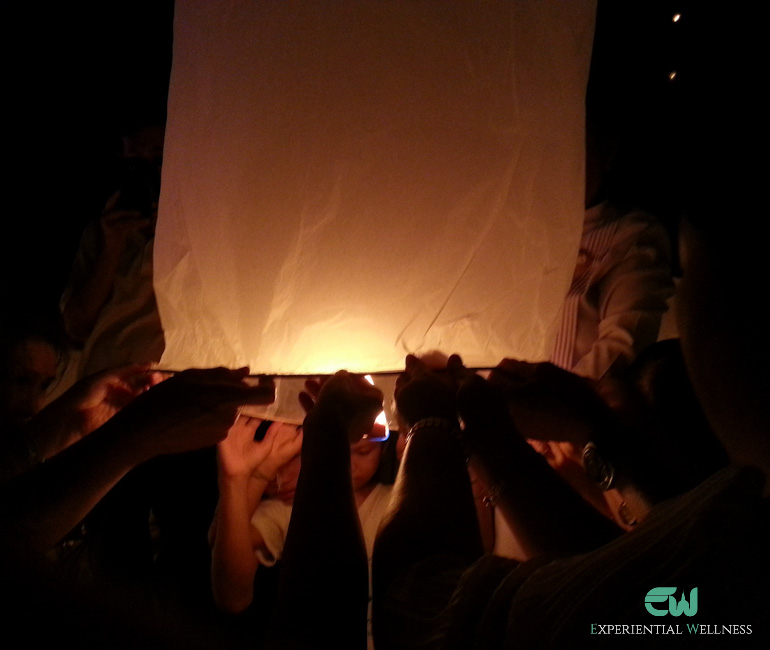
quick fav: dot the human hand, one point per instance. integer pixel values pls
(549, 403)
(349, 398)
(99, 397)
(91, 402)
(564, 457)
(424, 390)
(309, 396)
(488, 430)
(193, 409)
(240, 455)
(285, 442)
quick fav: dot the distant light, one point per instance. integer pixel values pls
(672, 75)
(676, 17)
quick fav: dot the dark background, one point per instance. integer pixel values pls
(76, 78)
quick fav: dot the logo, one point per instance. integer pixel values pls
(663, 594)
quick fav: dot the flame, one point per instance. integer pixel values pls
(380, 422)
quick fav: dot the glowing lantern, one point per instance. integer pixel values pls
(347, 182)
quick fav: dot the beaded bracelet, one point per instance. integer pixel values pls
(433, 423)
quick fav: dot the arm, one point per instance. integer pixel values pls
(631, 297)
(192, 410)
(233, 560)
(433, 517)
(325, 512)
(436, 512)
(85, 407)
(546, 514)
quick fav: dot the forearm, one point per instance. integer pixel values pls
(233, 561)
(432, 523)
(53, 430)
(547, 515)
(325, 512)
(324, 496)
(47, 502)
(434, 509)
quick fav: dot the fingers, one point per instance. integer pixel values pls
(221, 388)
(306, 401)
(131, 370)
(229, 386)
(156, 377)
(412, 363)
(433, 362)
(231, 398)
(344, 383)
(313, 387)
(513, 373)
(290, 436)
(413, 367)
(216, 376)
(296, 445)
(261, 395)
(353, 401)
(249, 425)
(287, 444)
(136, 377)
(455, 363)
(434, 365)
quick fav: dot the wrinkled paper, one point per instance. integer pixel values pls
(347, 182)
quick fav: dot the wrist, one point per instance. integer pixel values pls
(232, 474)
(325, 417)
(236, 481)
(433, 422)
(260, 474)
(411, 416)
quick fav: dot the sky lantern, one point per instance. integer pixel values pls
(348, 182)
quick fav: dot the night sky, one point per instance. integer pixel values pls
(76, 77)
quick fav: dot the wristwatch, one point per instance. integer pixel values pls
(598, 469)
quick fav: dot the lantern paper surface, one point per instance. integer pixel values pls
(347, 182)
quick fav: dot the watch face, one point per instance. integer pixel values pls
(598, 470)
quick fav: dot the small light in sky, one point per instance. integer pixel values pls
(672, 75)
(676, 17)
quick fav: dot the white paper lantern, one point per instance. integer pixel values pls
(346, 182)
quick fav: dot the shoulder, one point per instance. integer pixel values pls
(635, 233)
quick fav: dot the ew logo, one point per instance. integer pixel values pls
(663, 594)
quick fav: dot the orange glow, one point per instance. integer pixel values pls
(381, 429)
